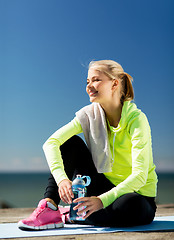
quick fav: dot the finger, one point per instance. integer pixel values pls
(68, 196)
(87, 211)
(80, 205)
(81, 211)
(63, 196)
(64, 193)
(70, 192)
(81, 199)
(88, 214)
(64, 199)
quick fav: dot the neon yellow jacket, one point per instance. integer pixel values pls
(130, 143)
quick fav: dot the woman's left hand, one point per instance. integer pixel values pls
(88, 205)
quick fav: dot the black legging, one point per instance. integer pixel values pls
(128, 210)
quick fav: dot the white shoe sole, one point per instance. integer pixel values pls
(23, 226)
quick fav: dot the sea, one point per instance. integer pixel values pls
(25, 190)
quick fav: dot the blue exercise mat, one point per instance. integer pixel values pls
(10, 230)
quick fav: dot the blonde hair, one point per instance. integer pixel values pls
(115, 71)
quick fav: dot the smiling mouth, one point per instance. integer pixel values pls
(92, 93)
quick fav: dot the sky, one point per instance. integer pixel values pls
(45, 49)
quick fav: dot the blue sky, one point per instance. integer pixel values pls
(45, 47)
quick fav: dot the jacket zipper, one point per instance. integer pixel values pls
(113, 154)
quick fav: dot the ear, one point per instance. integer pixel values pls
(115, 84)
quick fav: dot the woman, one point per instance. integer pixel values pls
(118, 157)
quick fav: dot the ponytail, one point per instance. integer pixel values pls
(127, 92)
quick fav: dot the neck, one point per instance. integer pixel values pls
(113, 112)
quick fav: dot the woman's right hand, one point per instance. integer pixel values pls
(65, 191)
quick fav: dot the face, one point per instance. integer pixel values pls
(99, 86)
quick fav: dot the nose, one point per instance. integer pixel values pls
(89, 88)
(89, 85)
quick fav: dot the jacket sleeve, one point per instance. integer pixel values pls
(52, 148)
(140, 135)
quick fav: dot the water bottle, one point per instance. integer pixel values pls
(79, 190)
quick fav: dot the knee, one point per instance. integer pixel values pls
(75, 140)
(129, 202)
(132, 209)
(73, 143)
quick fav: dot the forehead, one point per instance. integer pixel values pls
(94, 72)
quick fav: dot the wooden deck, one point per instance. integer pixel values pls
(11, 215)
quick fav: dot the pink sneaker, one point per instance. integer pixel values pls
(43, 217)
(64, 211)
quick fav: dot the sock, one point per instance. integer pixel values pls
(50, 205)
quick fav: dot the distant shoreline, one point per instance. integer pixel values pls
(47, 172)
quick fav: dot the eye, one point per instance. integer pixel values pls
(97, 80)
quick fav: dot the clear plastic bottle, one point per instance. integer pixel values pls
(79, 190)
